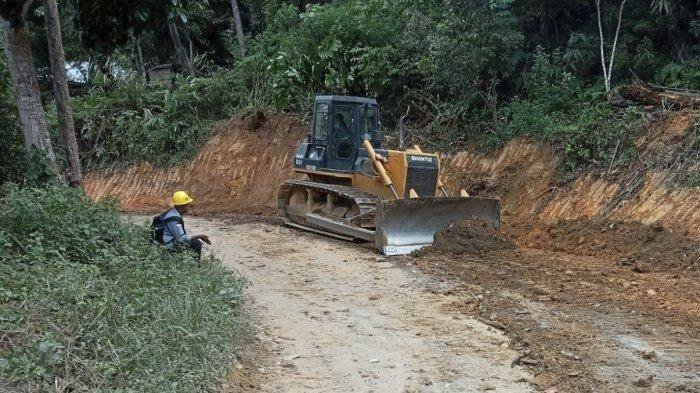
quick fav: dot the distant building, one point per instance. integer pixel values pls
(161, 74)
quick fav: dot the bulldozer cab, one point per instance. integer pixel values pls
(340, 125)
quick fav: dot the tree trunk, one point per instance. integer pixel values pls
(31, 113)
(607, 70)
(60, 88)
(602, 47)
(139, 57)
(239, 27)
(660, 96)
(180, 51)
(614, 47)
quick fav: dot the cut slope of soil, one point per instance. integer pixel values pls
(238, 170)
(524, 176)
(241, 167)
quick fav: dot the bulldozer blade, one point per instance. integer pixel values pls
(405, 225)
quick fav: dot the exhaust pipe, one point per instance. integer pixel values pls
(402, 130)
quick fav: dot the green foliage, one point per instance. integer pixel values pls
(87, 302)
(693, 180)
(345, 48)
(39, 170)
(450, 56)
(601, 137)
(551, 98)
(452, 62)
(106, 24)
(133, 122)
(592, 133)
(685, 75)
(463, 48)
(478, 72)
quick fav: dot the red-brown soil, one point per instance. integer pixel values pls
(237, 171)
(241, 167)
(582, 322)
(645, 248)
(603, 290)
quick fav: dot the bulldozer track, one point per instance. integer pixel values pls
(366, 204)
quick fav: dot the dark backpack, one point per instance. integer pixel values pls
(158, 226)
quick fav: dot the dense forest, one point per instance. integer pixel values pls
(463, 73)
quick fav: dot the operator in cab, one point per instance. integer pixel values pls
(175, 236)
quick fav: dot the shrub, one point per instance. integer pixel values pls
(88, 303)
(130, 122)
(465, 46)
(342, 48)
(556, 109)
(685, 75)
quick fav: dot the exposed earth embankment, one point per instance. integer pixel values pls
(240, 168)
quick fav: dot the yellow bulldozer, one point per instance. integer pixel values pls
(354, 189)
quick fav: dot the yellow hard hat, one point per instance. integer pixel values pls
(181, 198)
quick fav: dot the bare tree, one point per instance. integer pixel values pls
(138, 54)
(21, 63)
(239, 27)
(60, 88)
(607, 70)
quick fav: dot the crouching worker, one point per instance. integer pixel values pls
(169, 228)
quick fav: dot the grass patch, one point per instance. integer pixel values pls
(88, 303)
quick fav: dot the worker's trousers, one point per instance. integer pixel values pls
(195, 245)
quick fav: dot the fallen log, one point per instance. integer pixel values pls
(660, 96)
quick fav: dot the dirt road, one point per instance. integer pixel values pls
(338, 317)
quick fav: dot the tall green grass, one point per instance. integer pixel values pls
(88, 303)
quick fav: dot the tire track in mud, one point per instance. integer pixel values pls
(587, 324)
